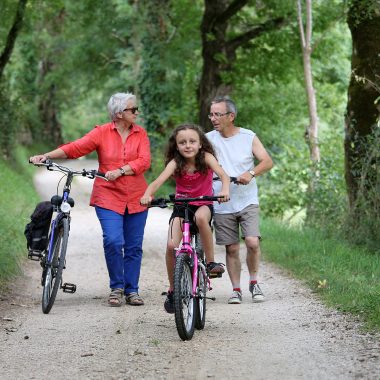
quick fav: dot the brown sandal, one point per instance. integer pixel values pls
(134, 299)
(115, 297)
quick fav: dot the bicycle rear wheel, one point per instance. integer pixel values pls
(53, 276)
(183, 298)
(200, 301)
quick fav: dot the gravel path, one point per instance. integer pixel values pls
(289, 336)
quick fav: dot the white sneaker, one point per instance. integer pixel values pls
(257, 294)
(235, 298)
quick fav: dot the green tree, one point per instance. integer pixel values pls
(362, 116)
(221, 39)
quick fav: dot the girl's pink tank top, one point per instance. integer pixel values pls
(193, 185)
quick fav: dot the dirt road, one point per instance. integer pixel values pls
(289, 336)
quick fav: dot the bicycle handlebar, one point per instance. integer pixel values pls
(232, 179)
(50, 165)
(163, 202)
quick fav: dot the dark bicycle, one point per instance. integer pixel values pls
(53, 259)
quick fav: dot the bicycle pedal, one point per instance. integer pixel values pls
(215, 275)
(68, 288)
(35, 255)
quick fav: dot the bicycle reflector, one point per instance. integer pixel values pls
(65, 207)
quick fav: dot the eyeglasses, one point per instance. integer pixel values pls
(133, 109)
(217, 115)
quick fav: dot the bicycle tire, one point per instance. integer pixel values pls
(200, 301)
(53, 277)
(183, 298)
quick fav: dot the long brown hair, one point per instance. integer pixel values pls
(173, 153)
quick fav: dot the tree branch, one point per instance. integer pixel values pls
(255, 32)
(12, 35)
(230, 11)
(300, 24)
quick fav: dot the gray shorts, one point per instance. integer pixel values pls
(227, 225)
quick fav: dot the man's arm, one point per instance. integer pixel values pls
(264, 165)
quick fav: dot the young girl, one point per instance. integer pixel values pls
(190, 160)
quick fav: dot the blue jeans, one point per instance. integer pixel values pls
(122, 242)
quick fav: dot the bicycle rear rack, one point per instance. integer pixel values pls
(69, 288)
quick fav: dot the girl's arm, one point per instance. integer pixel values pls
(213, 164)
(157, 183)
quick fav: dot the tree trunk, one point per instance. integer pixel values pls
(152, 76)
(363, 107)
(48, 105)
(52, 128)
(211, 84)
(12, 35)
(311, 132)
(219, 51)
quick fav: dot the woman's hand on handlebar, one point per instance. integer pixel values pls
(145, 200)
(38, 158)
(112, 175)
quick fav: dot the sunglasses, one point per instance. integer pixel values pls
(133, 109)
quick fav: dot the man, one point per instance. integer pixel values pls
(237, 149)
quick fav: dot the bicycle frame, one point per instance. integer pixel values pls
(187, 248)
(60, 215)
(53, 260)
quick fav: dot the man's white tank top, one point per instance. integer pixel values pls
(235, 156)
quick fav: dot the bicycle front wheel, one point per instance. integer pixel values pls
(200, 301)
(54, 269)
(183, 298)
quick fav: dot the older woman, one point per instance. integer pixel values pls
(124, 155)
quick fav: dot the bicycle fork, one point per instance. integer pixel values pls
(66, 287)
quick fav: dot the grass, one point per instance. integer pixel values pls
(344, 276)
(17, 201)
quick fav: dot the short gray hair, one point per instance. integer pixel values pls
(230, 104)
(117, 103)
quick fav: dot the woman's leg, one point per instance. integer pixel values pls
(113, 240)
(134, 225)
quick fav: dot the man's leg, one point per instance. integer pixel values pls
(249, 221)
(234, 270)
(233, 264)
(253, 256)
(227, 234)
(253, 262)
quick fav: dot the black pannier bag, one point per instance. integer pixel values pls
(37, 231)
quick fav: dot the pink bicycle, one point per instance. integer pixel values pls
(191, 278)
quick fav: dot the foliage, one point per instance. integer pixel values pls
(98, 48)
(18, 199)
(364, 217)
(8, 122)
(343, 276)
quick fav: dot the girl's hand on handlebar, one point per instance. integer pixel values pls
(225, 197)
